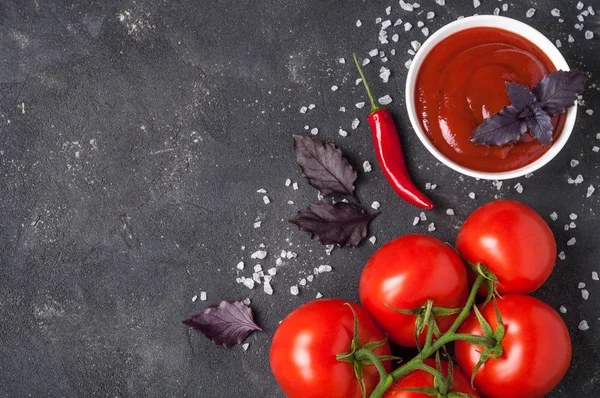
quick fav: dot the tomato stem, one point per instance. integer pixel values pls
(363, 354)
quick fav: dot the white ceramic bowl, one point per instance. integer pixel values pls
(511, 25)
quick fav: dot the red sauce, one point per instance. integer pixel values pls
(462, 81)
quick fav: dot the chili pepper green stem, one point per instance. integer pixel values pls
(374, 106)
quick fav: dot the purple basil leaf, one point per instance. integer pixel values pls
(540, 125)
(520, 96)
(558, 90)
(324, 166)
(501, 128)
(342, 223)
(227, 323)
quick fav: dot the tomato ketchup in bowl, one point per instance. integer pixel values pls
(458, 78)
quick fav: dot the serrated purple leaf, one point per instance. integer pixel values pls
(520, 96)
(344, 224)
(501, 128)
(558, 90)
(227, 323)
(324, 166)
(539, 125)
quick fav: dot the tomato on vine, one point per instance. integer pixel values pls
(535, 349)
(407, 273)
(308, 341)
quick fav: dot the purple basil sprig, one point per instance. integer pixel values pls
(531, 109)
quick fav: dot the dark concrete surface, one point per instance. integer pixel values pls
(134, 135)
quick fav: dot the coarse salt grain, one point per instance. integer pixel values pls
(476, 3)
(319, 295)
(261, 191)
(562, 255)
(302, 282)
(342, 109)
(257, 224)
(342, 60)
(372, 239)
(578, 180)
(324, 268)
(585, 294)
(583, 325)
(555, 12)
(272, 271)
(202, 296)
(388, 10)
(408, 63)
(367, 166)
(384, 74)
(360, 105)
(373, 52)
(240, 265)
(472, 195)
(303, 109)
(249, 283)
(355, 123)
(194, 298)
(530, 13)
(334, 88)
(312, 106)
(571, 242)
(450, 212)
(431, 227)
(343, 133)
(245, 346)
(415, 44)
(294, 290)
(590, 191)
(295, 186)
(425, 31)
(422, 216)
(398, 22)
(407, 26)
(385, 100)
(504, 7)
(430, 15)
(589, 34)
(266, 200)
(579, 5)
(358, 23)
(259, 254)
(416, 221)
(570, 39)
(573, 216)
(314, 131)
(558, 43)
(375, 205)
(594, 275)
(395, 38)
(574, 162)
(519, 187)
(589, 111)
(386, 24)
(366, 61)
(278, 261)
(257, 268)
(596, 148)
(288, 182)
(572, 225)
(310, 278)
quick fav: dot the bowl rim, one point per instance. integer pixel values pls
(509, 24)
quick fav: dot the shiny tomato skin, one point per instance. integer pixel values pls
(423, 379)
(407, 272)
(304, 348)
(536, 349)
(512, 241)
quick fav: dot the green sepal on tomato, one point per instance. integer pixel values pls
(404, 274)
(306, 344)
(535, 349)
(512, 241)
(421, 379)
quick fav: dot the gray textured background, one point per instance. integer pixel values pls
(128, 183)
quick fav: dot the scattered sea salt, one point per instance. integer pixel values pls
(408, 63)
(240, 265)
(395, 39)
(422, 216)
(384, 74)
(591, 10)
(360, 105)
(295, 186)
(386, 24)
(585, 294)
(398, 22)
(246, 301)
(288, 182)
(562, 255)
(574, 162)
(266, 200)
(573, 216)
(583, 325)
(528, 175)
(407, 26)
(342, 60)
(572, 225)
(519, 187)
(334, 88)
(420, 24)
(194, 298)
(562, 309)
(312, 106)
(450, 212)
(590, 191)
(555, 12)
(425, 31)
(406, 6)
(319, 295)
(373, 52)
(259, 254)
(343, 133)
(570, 39)
(571, 242)
(302, 282)
(576, 181)
(558, 43)
(476, 3)
(249, 283)
(303, 109)
(589, 111)
(258, 267)
(245, 346)
(294, 290)
(375, 205)
(415, 45)
(358, 23)
(355, 123)
(472, 195)
(594, 275)
(431, 227)
(278, 261)
(366, 61)
(257, 224)
(202, 296)
(329, 249)
(261, 191)
(504, 7)
(430, 15)
(388, 10)
(372, 239)
(589, 34)
(314, 131)
(272, 271)
(324, 268)
(342, 109)
(367, 166)
(385, 100)
(596, 148)
(579, 5)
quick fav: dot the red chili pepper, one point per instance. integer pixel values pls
(389, 151)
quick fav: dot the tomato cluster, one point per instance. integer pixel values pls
(415, 291)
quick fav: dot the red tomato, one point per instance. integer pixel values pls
(407, 272)
(423, 379)
(512, 241)
(536, 349)
(306, 342)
